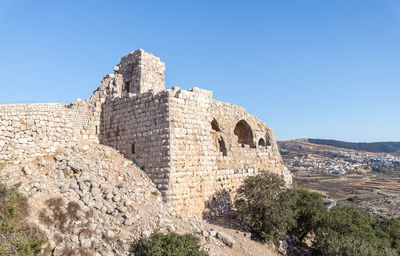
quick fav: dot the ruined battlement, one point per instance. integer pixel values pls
(188, 143)
(30, 130)
(142, 72)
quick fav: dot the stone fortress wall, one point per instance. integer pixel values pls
(193, 155)
(30, 130)
(215, 145)
(138, 126)
(189, 144)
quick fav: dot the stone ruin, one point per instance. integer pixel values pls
(190, 145)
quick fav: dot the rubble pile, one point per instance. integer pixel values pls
(90, 200)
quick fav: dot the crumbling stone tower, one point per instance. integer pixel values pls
(142, 71)
(188, 143)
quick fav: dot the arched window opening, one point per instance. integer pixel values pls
(261, 142)
(222, 147)
(215, 125)
(244, 133)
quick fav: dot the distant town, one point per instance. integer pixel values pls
(370, 180)
(299, 156)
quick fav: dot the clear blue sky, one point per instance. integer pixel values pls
(320, 69)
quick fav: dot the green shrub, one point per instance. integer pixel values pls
(264, 204)
(155, 193)
(272, 210)
(17, 236)
(309, 212)
(171, 244)
(389, 231)
(348, 230)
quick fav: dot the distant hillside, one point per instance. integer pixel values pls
(376, 147)
(394, 144)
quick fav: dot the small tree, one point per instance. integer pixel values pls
(309, 211)
(348, 230)
(17, 235)
(264, 204)
(389, 232)
(172, 244)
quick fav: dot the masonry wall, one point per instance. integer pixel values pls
(30, 130)
(243, 160)
(200, 165)
(138, 127)
(244, 156)
(193, 161)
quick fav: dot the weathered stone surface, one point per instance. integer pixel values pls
(86, 243)
(226, 239)
(90, 224)
(28, 169)
(109, 234)
(189, 144)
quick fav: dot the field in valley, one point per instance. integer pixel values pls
(377, 192)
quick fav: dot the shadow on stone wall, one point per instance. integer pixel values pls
(219, 211)
(105, 129)
(220, 204)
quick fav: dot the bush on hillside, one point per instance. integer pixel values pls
(309, 212)
(17, 236)
(172, 244)
(348, 230)
(389, 231)
(264, 204)
(271, 210)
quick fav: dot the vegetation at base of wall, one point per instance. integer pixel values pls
(265, 206)
(172, 244)
(376, 147)
(17, 235)
(345, 230)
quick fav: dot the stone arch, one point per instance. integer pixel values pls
(261, 142)
(244, 133)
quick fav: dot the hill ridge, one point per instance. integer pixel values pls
(375, 147)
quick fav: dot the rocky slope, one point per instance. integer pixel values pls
(90, 200)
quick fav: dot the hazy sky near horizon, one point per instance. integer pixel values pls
(319, 69)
